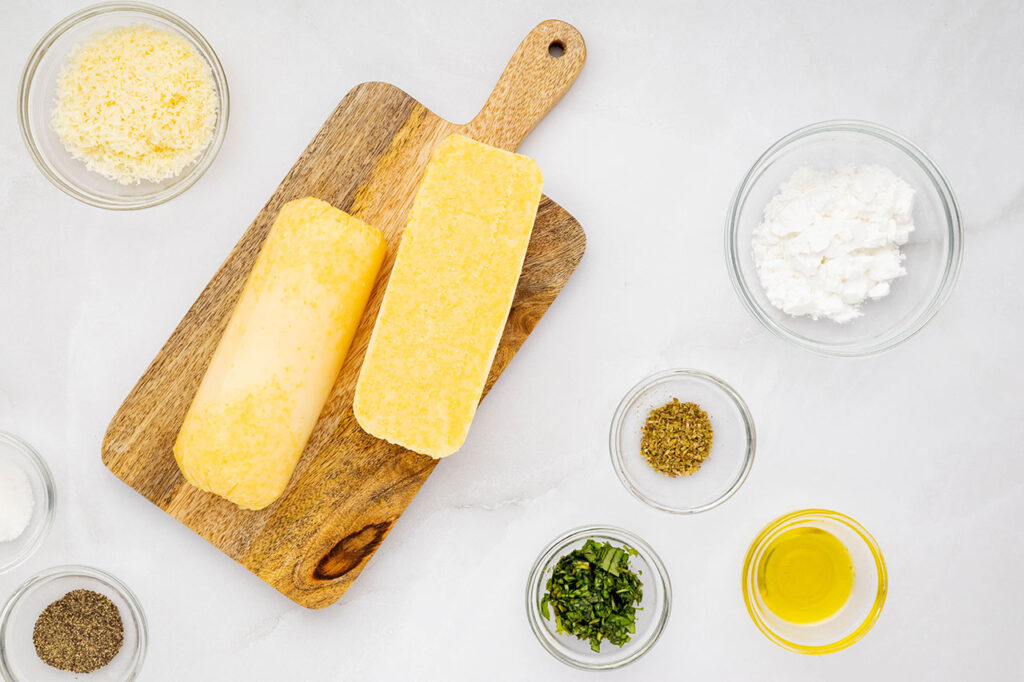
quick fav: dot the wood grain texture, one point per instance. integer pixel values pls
(348, 488)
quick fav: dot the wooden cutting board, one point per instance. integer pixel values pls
(349, 488)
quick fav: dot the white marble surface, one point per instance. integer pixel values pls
(922, 445)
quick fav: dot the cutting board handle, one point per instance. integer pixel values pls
(543, 68)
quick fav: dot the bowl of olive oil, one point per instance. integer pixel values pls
(814, 581)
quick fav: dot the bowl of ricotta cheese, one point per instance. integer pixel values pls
(844, 238)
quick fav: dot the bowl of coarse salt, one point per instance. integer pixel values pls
(27, 500)
(844, 238)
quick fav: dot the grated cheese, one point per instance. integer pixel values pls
(136, 103)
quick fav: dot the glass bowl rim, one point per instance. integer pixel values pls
(49, 500)
(535, 586)
(643, 385)
(796, 519)
(76, 571)
(178, 185)
(941, 185)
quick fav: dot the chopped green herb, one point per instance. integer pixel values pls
(594, 594)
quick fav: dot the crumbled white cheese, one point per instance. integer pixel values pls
(136, 103)
(16, 501)
(830, 239)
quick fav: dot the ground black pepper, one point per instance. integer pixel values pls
(81, 632)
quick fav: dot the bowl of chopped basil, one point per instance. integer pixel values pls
(598, 598)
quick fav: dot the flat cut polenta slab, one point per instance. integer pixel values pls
(280, 354)
(449, 296)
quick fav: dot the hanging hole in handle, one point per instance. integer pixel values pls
(556, 49)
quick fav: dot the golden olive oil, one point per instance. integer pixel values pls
(805, 575)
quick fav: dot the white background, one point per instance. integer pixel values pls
(922, 445)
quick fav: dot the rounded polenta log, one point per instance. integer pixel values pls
(448, 297)
(280, 354)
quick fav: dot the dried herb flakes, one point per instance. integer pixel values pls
(676, 438)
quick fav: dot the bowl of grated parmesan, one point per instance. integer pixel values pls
(123, 105)
(844, 238)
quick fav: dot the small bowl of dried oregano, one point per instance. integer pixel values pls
(682, 441)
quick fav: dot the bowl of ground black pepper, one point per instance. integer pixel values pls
(72, 620)
(682, 441)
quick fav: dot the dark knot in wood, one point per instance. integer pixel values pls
(350, 551)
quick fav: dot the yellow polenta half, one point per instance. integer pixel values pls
(280, 353)
(448, 297)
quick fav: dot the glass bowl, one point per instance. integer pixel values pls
(933, 253)
(18, 659)
(732, 449)
(859, 613)
(14, 450)
(37, 94)
(656, 603)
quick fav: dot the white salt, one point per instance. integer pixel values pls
(16, 501)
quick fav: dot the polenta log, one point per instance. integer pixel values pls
(280, 353)
(449, 296)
